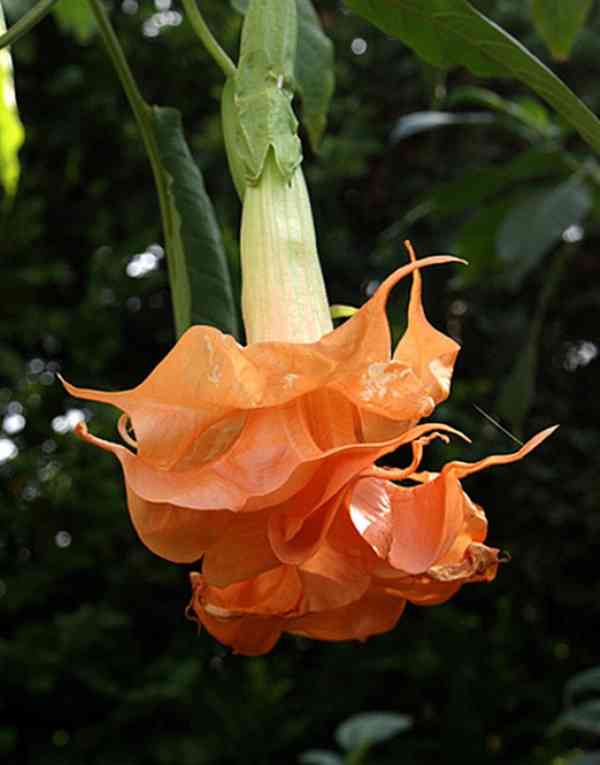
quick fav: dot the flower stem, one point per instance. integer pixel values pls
(210, 43)
(26, 22)
(143, 116)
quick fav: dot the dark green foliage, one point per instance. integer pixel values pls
(99, 665)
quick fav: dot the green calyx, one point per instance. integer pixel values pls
(257, 100)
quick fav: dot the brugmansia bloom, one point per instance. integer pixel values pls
(260, 460)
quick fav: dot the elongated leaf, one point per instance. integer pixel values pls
(518, 392)
(536, 224)
(449, 33)
(363, 730)
(76, 18)
(475, 242)
(12, 133)
(198, 270)
(583, 682)
(529, 112)
(313, 71)
(475, 186)
(558, 23)
(419, 122)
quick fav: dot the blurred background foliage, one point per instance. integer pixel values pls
(98, 663)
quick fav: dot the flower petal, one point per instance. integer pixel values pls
(175, 533)
(330, 580)
(376, 612)
(242, 552)
(425, 522)
(246, 634)
(462, 469)
(425, 350)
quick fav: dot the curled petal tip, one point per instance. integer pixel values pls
(81, 429)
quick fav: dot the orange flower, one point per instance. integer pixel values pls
(241, 454)
(386, 545)
(261, 461)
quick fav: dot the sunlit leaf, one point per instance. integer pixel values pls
(448, 33)
(12, 133)
(558, 23)
(76, 18)
(368, 728)
(536, 224)
(198, 272)
(420, 122)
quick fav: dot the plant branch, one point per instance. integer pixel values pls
(210, 43)
(143, 116)
(26, 22)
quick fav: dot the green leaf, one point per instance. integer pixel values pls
(76, 18)
(313, 69)
(475, 242)
(584, 718)
(529, 112)
(419, 122)
(583, 682)
(12, 133)
(320, 757)
(558, 23)
(198, 272)
(475, 186)
(536, 224)
(518, 392)
(368, 728)
(314, 72)
(449, 33)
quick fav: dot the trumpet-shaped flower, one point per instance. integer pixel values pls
(240, 454)
(261, 459)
